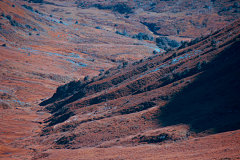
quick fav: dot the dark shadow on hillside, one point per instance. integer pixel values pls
(212, 101)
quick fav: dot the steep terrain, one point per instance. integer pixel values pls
(195, 86)
(121, 91)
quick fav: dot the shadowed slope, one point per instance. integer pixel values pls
(212, 101)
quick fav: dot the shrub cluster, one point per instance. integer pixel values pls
(36, 1)
(152, 26)
(139, 36)
(166, 43)
(9, 17)
(124, 33)
(120, 7)
(143, 36)
(14, 23)
(28, 7)
(125, 64)
(86, 78)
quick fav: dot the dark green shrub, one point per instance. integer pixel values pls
(174, 54)
(27, 26)
(14, 23)
(36, 1)
(9, 17)
(168, 50)
(213, 42)
(122, 8)
(164, 43)
(235, 11)
(125, 64)
(155, 52)
(117, 32)
(143, 36)
(119, 67)
(28, 7)
(86, 78)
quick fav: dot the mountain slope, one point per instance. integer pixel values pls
(194, 86)
(122, 90)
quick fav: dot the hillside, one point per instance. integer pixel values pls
(97, 79)
(191, 86)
